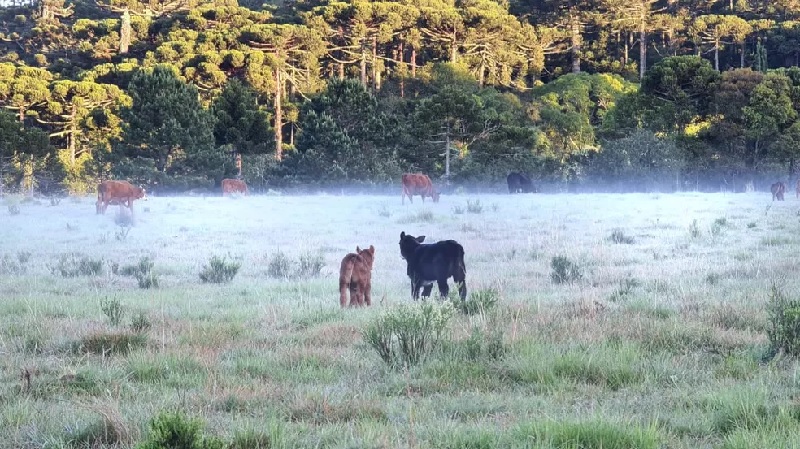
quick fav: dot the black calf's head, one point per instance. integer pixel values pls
(408, 243)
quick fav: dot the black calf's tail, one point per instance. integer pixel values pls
(460, 273)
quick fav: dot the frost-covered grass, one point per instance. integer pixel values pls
(660, 341)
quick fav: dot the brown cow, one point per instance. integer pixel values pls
(778, 189)
(355, 274)
(233, 186)
(418, 184)
(117, 192)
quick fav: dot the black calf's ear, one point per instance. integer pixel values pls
(358, 250)
(402, 234)
(421, 238)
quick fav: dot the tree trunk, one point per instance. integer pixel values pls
(401, 57)
(376, 75)
(575, 27)
(125, 32)
(447, 154)
(453, 48)
(341, 70)
(73, 117)
(482, 74)
(413, 62)
(363, 65)
(278, 116)
(625, 51)
(642, 48)
(741, 55)
(716, 56)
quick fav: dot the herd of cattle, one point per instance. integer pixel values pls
(426, 263)
(779, 188)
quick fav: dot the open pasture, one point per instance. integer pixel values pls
(655, 336)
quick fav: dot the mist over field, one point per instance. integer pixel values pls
(656, 338)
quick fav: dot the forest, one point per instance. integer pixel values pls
(599, 95)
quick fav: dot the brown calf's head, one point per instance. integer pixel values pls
(367, 254)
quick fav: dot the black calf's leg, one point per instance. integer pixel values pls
(426, 290)
(444, 289)
(462, 290)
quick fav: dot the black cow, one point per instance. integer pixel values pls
(519, 183)
(438, 261)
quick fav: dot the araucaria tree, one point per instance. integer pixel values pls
(168, 134)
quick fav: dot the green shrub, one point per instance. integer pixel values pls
(694, 229)
(310, 265)
(113, 310)
(140, 323)
(409, 334)
(458, 210)
(219, 270)
(74, 264)
(479, 301)
(474, 208)
(172, 430)
(783, 325)
(618, 236)
(110, 343)
(280, 266)
(564, 270)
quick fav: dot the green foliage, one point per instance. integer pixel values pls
(219, 270)
(173, 430)
(74, 264)
(168, 132)
(564, 270)
(238, 120)
(407, 335)
(479, 301)
(140, 323)
(474, 207)
(113, 310)
(783, 330)
(618, 236)
(118, 343)
(590, 434)
(280, 266)
(310, 265)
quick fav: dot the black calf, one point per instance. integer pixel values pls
(518, 182)
(433, 262)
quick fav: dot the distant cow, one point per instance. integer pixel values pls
(778, 189)
(233, 186)
(519, 183)
(117, 192)
(438, 261)
(355, 274)
(418, 184)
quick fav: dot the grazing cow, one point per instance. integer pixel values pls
(438, 261)
(117, 192)
(778, 189)
(418, 184)
(519, 183)
(355, 274)
(233, 186)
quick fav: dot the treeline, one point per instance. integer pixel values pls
(606, 93)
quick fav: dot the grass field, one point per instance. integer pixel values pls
(656, 339)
